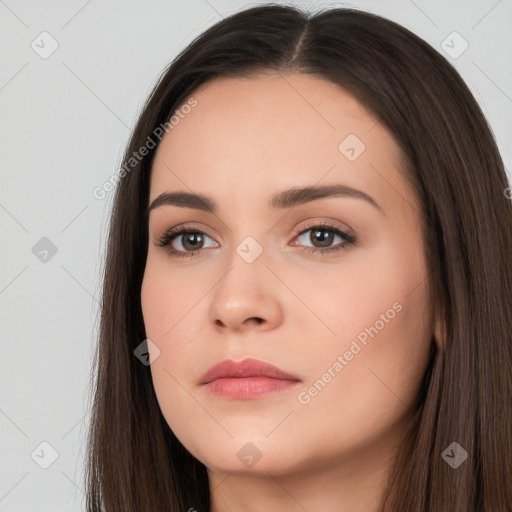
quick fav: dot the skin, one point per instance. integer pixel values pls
(244, 141)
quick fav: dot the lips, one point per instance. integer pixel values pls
(247, 368)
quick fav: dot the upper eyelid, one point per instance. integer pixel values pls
(331, 223)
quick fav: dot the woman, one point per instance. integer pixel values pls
(306, 294)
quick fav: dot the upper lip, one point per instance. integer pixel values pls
(247, 368)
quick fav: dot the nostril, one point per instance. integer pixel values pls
(256, 319)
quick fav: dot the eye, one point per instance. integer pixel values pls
(324, 235)
(188, 241)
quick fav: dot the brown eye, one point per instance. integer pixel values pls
(190, 240)
(319, 236)
(323, 236)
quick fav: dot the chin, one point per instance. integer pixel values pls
(252, 454)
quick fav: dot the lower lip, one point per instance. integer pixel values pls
(247, 388)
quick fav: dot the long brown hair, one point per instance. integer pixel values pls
(134, 461)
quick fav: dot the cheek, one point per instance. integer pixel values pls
(167, 298)
(357, 399)
(380, 314)
(171, 308)
(156, 304)
(161, 312)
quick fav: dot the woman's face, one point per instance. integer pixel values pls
(353, 325)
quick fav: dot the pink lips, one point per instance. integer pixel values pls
(246, 379)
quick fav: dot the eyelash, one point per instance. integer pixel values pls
(169, 236)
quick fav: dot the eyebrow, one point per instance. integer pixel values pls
(281, 200)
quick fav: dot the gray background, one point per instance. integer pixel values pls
(64, 122)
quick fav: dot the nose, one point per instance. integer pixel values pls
(246, 298)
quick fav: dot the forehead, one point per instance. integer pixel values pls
(275, 130)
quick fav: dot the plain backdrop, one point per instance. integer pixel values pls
(65, 118)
